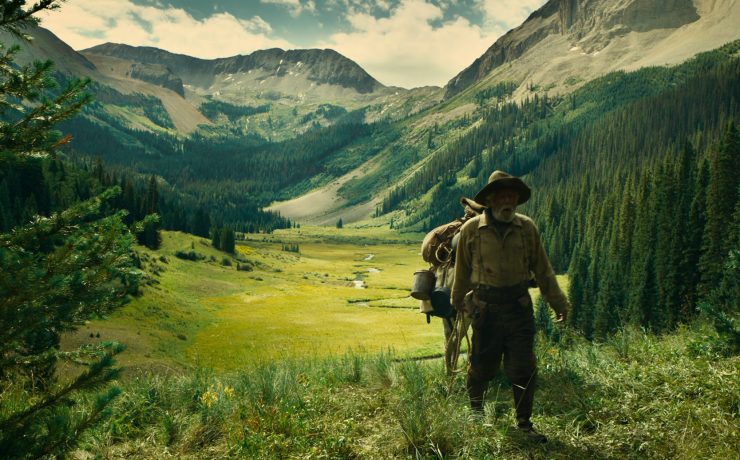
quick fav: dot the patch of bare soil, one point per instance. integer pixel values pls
(325, 206)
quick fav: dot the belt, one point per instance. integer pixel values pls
(501, 295)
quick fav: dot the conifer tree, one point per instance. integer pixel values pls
(578, 270)
(686, 183)
(201, 223)
(666, 250)
(150, 234)
(151, 205)
(216, 238)
(722, 194)
(641, 299)
(57, 272)
(695, 233)
(228, 243)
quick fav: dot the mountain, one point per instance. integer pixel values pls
(289, 128)
(123, 98)
(558, 50)
(568, 42)
(276, 68)
(286, 92)
(272, 94)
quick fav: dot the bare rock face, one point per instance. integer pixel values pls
(592, 24)
(319, 66)
(512, 45)
(158, 75)
(589, 25)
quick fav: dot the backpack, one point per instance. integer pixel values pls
(438, 249)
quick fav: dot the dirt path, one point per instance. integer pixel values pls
(325, 206)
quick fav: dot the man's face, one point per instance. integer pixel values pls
(503, 204)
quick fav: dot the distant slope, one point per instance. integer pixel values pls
(272, 94)
(320, 67)
(285, 93)
(568, 42)
(47, 46)
(557, 50)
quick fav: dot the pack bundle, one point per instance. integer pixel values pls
(433, 286)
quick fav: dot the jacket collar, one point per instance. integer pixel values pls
(486, 219)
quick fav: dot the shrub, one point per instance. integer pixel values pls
(189, 255)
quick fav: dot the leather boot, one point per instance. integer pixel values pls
(533, 435)
(524, 399)
(476, 390)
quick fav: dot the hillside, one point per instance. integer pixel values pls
(280, 93)
(148, 98)
(448, 152)
(634, 397)
(560, 48)
(567, 43)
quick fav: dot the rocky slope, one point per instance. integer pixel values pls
(297, 85)
(317, 67)
(570, 41)
(302, 88)
(159, 75)
(148, 83)
(560, 47)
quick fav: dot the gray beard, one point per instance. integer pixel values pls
(499, 217)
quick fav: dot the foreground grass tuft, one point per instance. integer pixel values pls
(634, 396)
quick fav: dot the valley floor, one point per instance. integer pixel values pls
(291, 359)
(635, 396)
(346, 289)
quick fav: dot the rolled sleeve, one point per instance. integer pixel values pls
(545, 276)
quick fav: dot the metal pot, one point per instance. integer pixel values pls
(423, 284)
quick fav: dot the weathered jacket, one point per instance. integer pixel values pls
(503, 261)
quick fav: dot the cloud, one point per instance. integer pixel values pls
(405, 50)
(84, 23)
(412, 44)
(296, 7)
(507, 14)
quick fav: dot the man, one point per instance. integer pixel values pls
(496, 255)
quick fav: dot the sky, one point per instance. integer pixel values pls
(406, 43)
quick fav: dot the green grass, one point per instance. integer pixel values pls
(205, 313)
(290, 361)
(634, 396)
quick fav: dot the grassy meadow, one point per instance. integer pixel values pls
(635, 396)
(291, 360)
(206, 313)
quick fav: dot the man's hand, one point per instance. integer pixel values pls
(561, 316)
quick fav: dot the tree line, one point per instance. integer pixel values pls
(621, 173)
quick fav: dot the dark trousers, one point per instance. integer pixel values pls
(504, 331)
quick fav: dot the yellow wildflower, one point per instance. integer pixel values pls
(209, 398)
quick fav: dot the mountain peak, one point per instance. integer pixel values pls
(590, 26)
(325, 66)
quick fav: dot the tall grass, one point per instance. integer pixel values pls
(633, 396)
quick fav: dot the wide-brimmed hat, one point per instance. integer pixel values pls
(469, 202)
(500, 180)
